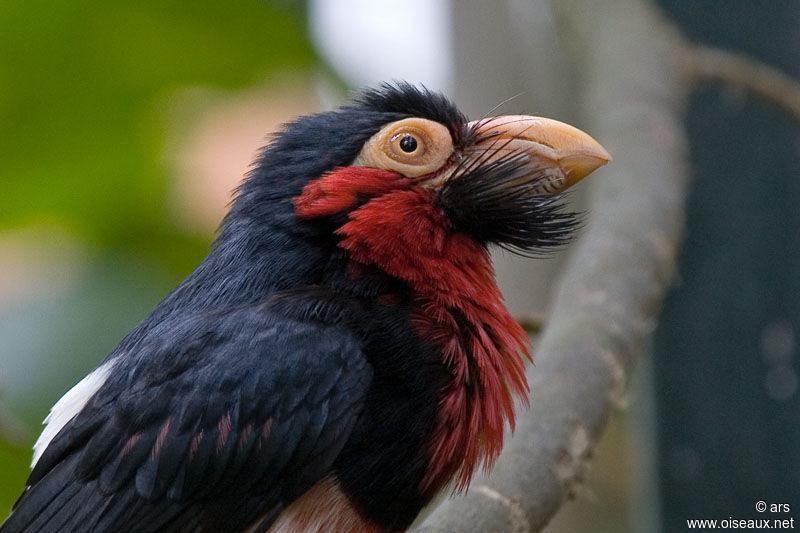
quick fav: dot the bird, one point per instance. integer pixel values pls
(343, 354)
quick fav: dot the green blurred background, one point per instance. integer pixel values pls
(98, 105)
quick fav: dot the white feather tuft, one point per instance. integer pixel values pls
(68, 406)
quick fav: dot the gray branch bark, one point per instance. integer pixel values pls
(613, 285)
(713, 64)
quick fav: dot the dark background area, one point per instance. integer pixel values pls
(725, 349)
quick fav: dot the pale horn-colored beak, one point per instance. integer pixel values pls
(548, 142)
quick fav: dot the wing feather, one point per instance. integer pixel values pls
(211, 420)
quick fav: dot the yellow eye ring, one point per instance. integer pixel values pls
(412, 147)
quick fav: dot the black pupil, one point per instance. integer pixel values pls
(408, 144)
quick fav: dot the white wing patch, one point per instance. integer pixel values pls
(70, 405)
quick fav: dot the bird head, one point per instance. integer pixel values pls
(497, 179)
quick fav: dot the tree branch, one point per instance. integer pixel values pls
(613, 285)
(703, 63)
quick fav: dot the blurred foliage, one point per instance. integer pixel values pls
(80, 131)
(83, 123)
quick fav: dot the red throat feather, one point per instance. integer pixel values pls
(458, 306)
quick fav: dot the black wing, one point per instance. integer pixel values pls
(208, 423)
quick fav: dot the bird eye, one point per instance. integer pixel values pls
(408, 144)
(413, 147)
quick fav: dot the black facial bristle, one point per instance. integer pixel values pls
(499, 203)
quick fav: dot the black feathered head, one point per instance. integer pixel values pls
(497, 179)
